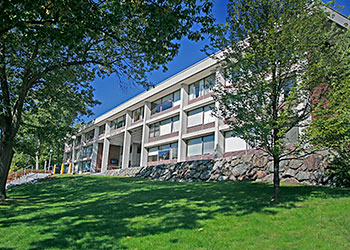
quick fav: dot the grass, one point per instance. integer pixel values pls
(95, 212)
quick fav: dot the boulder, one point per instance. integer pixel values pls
(241, 168)
(223, 178)
(289, 173)
(205, 175)
(301, 176)
(268, 178)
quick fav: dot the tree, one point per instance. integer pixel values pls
(330, 126)
(81, 39)
(46, 125)
(271, 53)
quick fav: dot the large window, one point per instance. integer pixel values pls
(89, 135)
(118, 123)
(168, 126)
(163, 153)
(166, 102)
(137, 114)
(200, 116)
(101, 129)
(200, 146)
(202, 87)
(233, 143)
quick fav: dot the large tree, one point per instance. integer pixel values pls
(40, 40)
(270, 60)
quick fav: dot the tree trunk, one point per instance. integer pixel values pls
(37, 156)
(276, 178)
(6, 154)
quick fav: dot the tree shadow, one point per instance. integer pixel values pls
(97, 212)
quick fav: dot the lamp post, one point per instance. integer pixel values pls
(50, 159)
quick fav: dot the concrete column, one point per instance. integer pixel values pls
(134, 147)
(183, 123)
(80, 163)
(127, 141)
(73, 153)
(219, 141)
(105, 153)
(145, 134)
(95, 148)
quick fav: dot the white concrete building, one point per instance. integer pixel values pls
(171, 122)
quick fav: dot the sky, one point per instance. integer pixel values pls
(111, 94)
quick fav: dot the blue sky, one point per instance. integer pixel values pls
(111, 94)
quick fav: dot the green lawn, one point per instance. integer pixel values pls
(95, 212)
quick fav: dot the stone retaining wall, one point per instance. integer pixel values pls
(256, 167)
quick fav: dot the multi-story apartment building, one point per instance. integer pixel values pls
(171, 122)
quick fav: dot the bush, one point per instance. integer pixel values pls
(340, 168)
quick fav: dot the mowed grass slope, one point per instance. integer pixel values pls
(95, 212)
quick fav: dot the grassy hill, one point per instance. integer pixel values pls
(95, 212)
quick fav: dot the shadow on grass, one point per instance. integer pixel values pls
(96, 212)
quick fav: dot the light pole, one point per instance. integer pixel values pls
(50, 159)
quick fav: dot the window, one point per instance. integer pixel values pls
(153, 154)
(208, 145)
(166, 102)
(200, 116)
(163, 153)
(207, 116)
(176, 124)
(101, 129)
(89, 151)
(200, 146)
(233, 143)
(154, 130)
(165, 127)
(89, 135)
(202, 87)
(194, 147)
(118, 123)
(137, 114)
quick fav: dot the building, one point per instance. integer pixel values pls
(169, 123)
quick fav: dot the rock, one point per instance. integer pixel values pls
(214, 177)
(241, 168)
(223, 178)
(234, 162)
(289, 173)
(268, 178)
(260, 174)
(234, 173)
(291, 180)
(269, 167)
(232, 178)
(247, 157)
(301, 176)
(205, 175)
(295, 164)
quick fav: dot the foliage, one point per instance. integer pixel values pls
(271, 53)
(330, 126)
(47, 46)
(96, 212)
(340, 168)
(21, 160)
